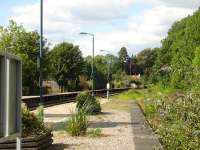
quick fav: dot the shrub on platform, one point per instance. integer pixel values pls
(31, 125)
(88, 102)
(77, 125)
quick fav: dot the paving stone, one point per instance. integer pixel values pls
(143, 136)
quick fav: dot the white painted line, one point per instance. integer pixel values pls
(7, 95)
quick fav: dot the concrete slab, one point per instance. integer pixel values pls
(143, 136)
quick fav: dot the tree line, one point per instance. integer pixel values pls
(63, 63)
(175, 63)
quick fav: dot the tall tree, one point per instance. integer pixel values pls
(123, 55)
(178, 50)
(16, 40)
(67, 65)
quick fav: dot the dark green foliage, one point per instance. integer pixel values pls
(123, 55)
(31, 125)
(178, 52)
(66, 65)
(146, 60)
(105, 68)
(100, 72)
(88, 102)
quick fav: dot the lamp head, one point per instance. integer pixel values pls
(83, 33)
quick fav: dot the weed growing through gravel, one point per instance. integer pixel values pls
(93, 133)
(77, 125)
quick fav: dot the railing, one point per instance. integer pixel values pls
(55, 99)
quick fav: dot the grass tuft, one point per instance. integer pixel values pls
(93, 133)
(77, 125)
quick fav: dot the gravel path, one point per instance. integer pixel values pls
(58, 113)
(116, 132)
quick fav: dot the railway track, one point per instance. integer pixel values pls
(55, 99)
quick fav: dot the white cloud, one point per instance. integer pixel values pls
(144, 31)
(63, 20)
(173, 3)
(181, 3)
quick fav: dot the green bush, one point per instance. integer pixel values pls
(176, 119)
(88, 102)
(31, 125)
(77, 125)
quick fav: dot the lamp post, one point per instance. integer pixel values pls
(41, 57)
(108, 76)
(91, 34)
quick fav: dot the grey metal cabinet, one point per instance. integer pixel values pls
(10, 94)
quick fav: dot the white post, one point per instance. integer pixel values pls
(107, 94)
(108, 87)
(18, 143)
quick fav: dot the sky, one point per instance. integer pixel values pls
(134, 24)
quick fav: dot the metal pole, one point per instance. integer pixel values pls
(92, 64)
(41, 53)
(92, 74)
(108, 78)
(130, 66)
(108, 81)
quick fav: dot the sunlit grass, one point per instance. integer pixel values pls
(121, 101)
(117, 104)
(139, 94)
(129, 95)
